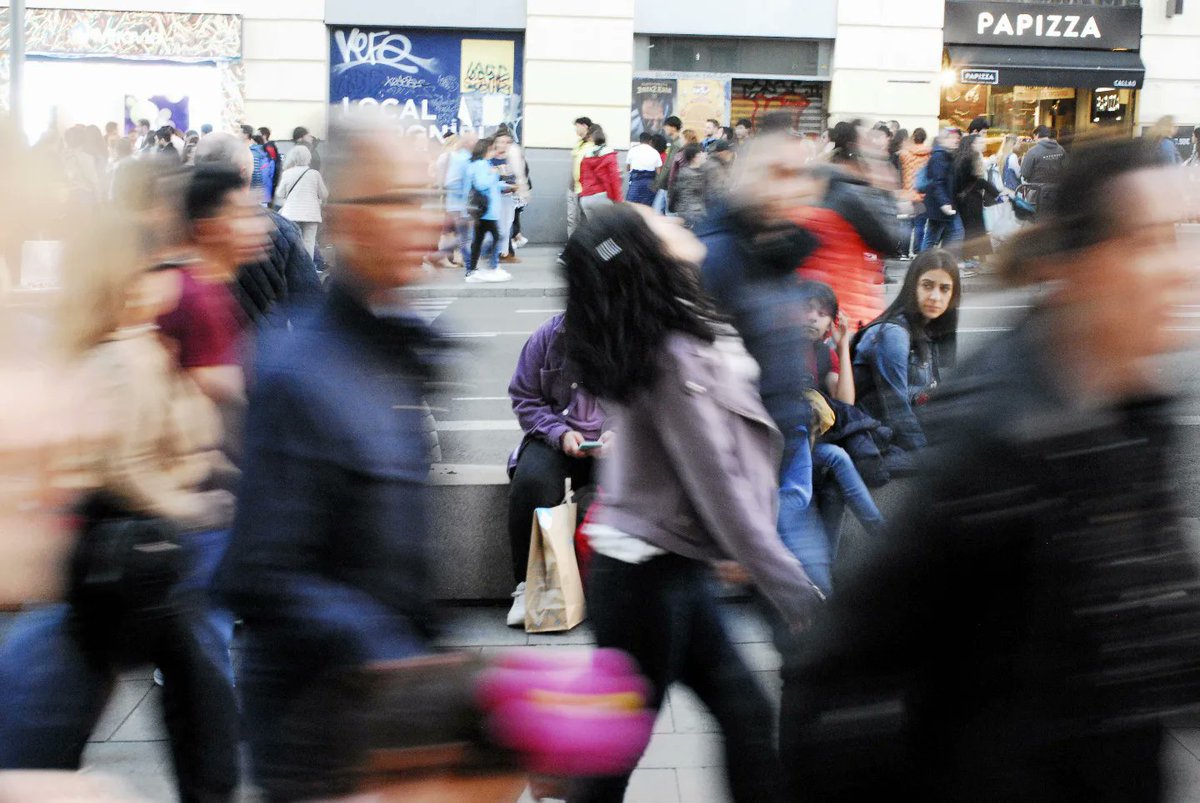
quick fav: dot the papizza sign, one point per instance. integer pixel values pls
(1043, 25)
(968, 76)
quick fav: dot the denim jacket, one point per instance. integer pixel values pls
(329, 547)
(892, 379)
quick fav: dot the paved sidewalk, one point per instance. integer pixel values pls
(537, 274)
(683, 763)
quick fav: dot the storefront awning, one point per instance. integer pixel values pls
(1032, 66)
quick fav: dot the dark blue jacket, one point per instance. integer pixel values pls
(329, 549)
(286, 277)
(751, 274)
(940, 172)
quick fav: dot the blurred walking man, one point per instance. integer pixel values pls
(1040, 611)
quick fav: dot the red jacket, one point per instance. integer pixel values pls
(844, 262)
(600, 174)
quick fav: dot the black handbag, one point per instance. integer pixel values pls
(477, 203)
(120, 578)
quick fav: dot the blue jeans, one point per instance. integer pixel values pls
(462, 229)
(917, 238)
(213, 628)
(850, 485)
(945, 233)
(53, 690)
(660, 202)
(800, 526)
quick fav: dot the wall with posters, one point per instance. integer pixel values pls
(433, 81)
(692, 97)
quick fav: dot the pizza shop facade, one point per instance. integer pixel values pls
(1071, 67)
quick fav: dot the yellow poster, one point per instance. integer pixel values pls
(487, 66)
(700, 99)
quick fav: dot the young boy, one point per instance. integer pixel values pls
(822, 324)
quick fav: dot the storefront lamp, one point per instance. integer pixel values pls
(949, 78)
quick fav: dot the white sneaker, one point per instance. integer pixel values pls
(475, 277)
(516, 614)
(519, 241)
(496, 275)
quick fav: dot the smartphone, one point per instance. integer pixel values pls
(588, 446)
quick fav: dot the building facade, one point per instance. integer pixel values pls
(536, 65)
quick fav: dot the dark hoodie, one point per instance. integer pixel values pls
(1044, 163)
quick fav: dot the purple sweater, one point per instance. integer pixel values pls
(545, 398)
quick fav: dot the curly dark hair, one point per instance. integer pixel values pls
(625, 295)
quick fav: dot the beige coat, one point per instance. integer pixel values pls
(159, 433)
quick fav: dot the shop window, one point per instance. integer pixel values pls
(737, 56)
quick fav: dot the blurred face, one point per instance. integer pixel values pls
(740, 131)
(383, 217)
(467, 140)
(501, 147)
(775, 180)
(935, 288)
(817, 320)
(1126, 289)
(677, 241)
(978, 144)
(237, 234)
(581, 130)
(709, 128)
(950, 141)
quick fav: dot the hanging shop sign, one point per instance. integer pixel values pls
(433, 81)
(1043, 25)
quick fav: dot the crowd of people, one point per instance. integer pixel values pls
(237, 442)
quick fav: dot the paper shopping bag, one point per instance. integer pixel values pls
(553, 588)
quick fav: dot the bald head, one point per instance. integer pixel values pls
(382, 214)
(226, 149)
(368, 159)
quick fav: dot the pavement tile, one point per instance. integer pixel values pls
(1181, 772)
(580, 634)
(667, 750)
(479, 627)
(688, 713)
(703, 785)
(653, 786)
(665, 721)
(143, 672)
(745, 624)
(145, 724)
(772, 683)
(761, 656)
(126, 696)
(144, 766)
(1189, 739)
